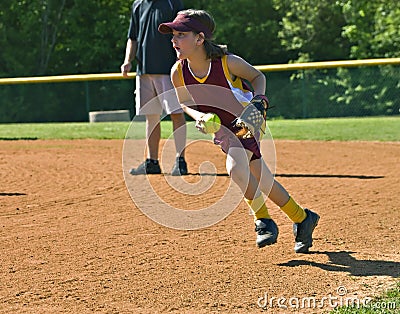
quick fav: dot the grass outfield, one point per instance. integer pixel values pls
(340, 129)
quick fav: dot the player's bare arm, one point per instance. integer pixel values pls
(241, 68)
(253, 117)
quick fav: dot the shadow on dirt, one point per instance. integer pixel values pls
(301, 175)
(342, 176)
(18, 138)
(343, 262)
(205, 174)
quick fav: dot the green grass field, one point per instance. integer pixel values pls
(340, 129)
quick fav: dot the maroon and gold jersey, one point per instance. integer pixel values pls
(218, 93)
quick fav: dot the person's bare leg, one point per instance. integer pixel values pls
(153, 134)
(179, 128)
(268, 185)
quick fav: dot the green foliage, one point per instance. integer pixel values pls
(311, 30)
(372, 89)
(94, 36)
(248, 28)
(341, 92)
(51, 37)
(373, 28)
(47, 37)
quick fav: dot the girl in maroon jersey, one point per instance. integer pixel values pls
(209, 79)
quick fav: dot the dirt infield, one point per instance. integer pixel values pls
(72, 240)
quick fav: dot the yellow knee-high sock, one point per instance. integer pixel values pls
(258, 207)
(294, 211)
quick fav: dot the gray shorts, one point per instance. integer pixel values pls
(155, 94)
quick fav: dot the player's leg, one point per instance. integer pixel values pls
(275, 191)
(304, 220)
(171, 106)
(147, 104)
(237, 165)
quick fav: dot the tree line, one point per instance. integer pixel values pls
(57, 37)
(51, 37)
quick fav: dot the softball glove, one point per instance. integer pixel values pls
(252, 117)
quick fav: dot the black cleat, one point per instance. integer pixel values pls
(180, 167)
(267, 232)
(303, 232)
(148, 166)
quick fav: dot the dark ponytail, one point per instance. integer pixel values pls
(213, 50)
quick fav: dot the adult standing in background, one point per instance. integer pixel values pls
(154, 57)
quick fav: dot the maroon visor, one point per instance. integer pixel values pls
(184, 23)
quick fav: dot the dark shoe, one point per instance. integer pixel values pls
(303, 232)
(149, 166)
(180, 167)
(267, 232)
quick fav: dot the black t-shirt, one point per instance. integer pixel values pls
(155, 54)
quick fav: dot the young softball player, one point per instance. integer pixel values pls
(203, 66)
